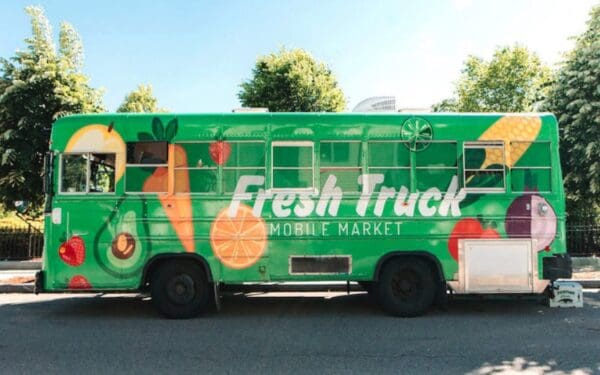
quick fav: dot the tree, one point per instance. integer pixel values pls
(37, 86)
(140, 100)
(446, 105)
(514, 80)
(575, 99)
(292, 81)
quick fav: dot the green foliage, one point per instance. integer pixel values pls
(575, 99)
(292, 81)
(514, 80)
(37, 86)
(446, 105)
(140, 100)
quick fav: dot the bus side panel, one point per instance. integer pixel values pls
(120, 233)
(79, 246)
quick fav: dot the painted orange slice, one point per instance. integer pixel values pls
(238, 241)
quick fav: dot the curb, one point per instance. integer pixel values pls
(16, 288)
(20, 265)
(588, 284)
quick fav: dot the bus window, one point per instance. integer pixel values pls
(102, 173)
(199, 165)
(533, 170)
(436, 165)
(292, 164)
(147, 153)
(246, 158)
(146, 159)
(341, 159)
(484, 166)
(87, 173)
(392, 159)
(73, 170)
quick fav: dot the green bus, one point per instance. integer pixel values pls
(410, 206)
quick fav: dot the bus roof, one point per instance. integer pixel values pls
(302, 125)
(313, 114)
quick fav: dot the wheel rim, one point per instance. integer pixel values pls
(180, 289)
(406, 286)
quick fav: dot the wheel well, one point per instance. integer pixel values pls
(430, 260)
(157, 260)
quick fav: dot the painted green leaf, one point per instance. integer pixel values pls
(469, 200)
(171, 130)
(474, 158)
(143, 136)
(158, 129)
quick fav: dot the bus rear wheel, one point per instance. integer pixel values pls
(406, 287)
(179, 289)
(367, 286)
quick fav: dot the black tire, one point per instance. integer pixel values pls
(179, 289)
(367, 286)
(441, 297)
(406, 287)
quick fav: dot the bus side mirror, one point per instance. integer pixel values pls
(48, 163)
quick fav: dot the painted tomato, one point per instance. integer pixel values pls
(465, 228)
(490, 233)
(531, 216)
(468, 228)
(72, 251)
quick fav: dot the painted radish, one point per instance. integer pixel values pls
(531, 216)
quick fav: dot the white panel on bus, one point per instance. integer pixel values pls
(497, 265)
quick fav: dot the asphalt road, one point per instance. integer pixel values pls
(308, 333)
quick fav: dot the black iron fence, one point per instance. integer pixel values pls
(27, 242)
(583, 239)
(20, 242)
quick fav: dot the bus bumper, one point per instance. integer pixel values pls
(39, 282)
(557, 267)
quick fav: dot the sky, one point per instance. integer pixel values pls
(195, 54)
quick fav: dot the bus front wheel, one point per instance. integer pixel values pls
(179, 289)
(406, 287)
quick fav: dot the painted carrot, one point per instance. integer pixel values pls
(177, 208)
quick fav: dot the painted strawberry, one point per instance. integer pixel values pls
(79, 282)
(469, 228)
(72, 251)
(219, 152)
